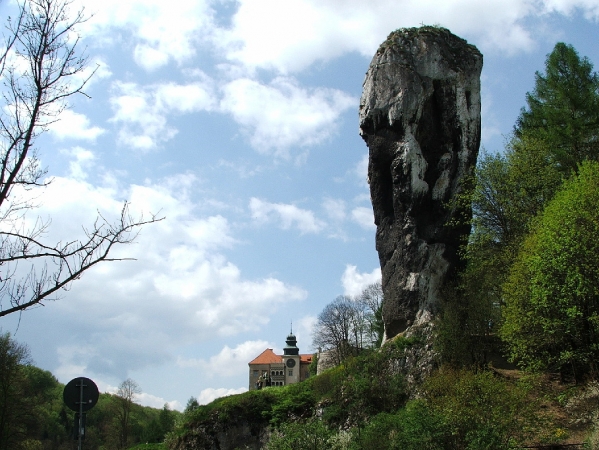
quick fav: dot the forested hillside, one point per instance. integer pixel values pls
(33, 415)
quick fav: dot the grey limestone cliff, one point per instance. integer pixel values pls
(420, 117)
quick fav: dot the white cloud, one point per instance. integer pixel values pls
(283, 114)
(149, 57)
(72, 125)
(180, 289)
(335, 209)
(364, 217)
(287, 215)
(290, 36)
(153, 401)
(83, 159)
(306, 328)
(142, 111)
(361, 170)
(142, 398)
(354, 282)
(211, 394)
(229, 361)
(590, 8)
(161, 30)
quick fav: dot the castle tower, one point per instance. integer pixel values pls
(291, 359)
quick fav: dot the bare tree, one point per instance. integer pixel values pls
(40, 69)
(372, 299)
(335, 328)
(125, 398)
(349, 324)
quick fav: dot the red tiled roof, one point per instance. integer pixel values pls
(306, 358)
(267, 357)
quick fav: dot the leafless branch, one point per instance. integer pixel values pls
(40, 69)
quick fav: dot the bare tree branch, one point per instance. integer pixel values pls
(40, 69)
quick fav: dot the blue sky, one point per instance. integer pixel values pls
(238, 121)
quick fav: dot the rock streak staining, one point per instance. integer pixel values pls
(420, 117)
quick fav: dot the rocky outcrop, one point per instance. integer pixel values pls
(222, 433)
(420, 117)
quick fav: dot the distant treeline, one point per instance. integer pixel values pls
(33, 415)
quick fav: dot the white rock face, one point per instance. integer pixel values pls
(420, 117)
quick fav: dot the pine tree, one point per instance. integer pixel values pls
(563, 109)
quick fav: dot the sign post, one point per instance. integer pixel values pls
(80, 394)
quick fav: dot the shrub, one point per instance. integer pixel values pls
(309, 435)
(480, 410)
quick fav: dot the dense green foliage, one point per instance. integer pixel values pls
(551, 316)
(563, 109)
(459, 410)
(34, 416)
(366, 399)
(556, 133)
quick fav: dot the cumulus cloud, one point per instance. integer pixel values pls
(229, 361)
(211, 394)
(83, 160)
(589, 8)
(72, 125)
(354, 282)
(176, 288)
(162, 32)
(142, 111)
(282, 114)
(286, 37)
(364, 217)
(153, 401)
(286, 215)
(290, 36)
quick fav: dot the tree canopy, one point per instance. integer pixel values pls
(563, 109)
(551, 315)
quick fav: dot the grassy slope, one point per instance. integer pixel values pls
(365, 394)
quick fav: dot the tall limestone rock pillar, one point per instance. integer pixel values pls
(420, 117)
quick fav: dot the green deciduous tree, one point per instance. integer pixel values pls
(29, 400)
(14, 410)
(372, 298)
(551, 316)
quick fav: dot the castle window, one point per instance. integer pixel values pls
(290, 373)
(255, 373)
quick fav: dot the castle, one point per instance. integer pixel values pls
(270, 369)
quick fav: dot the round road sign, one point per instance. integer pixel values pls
(80, 394)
